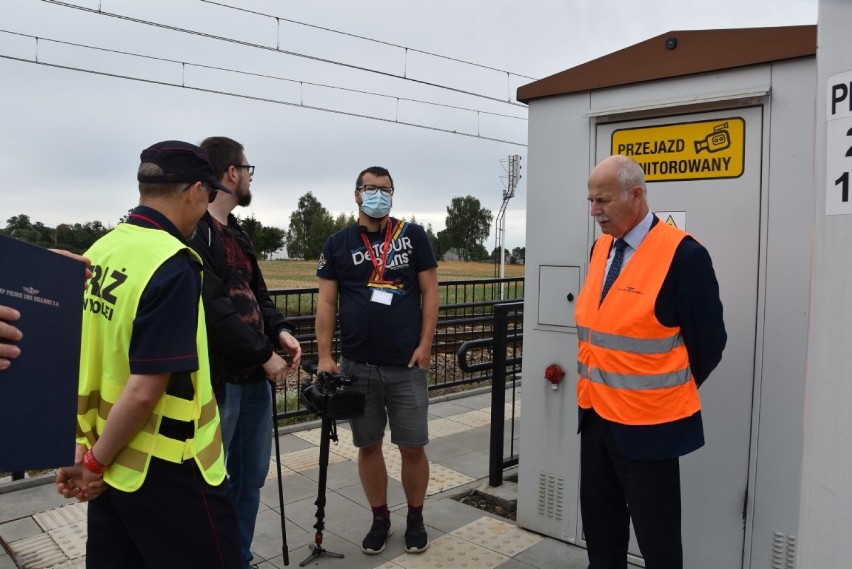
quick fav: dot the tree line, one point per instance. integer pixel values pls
(468, 225)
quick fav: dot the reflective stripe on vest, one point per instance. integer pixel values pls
(631, 368)
(103, 376)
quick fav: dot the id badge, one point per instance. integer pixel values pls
(381, 296)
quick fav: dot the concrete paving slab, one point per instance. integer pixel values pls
(459, 462)
(515, 564)
(34, 499)
(267, 541)
(297, 487)
(6, 561)
(554, 553)
(19, 529)
(447, 515)
(354, 558)
(446, 409)
(396, 495)
(480, 401)
(291, 443)
(473, 439)
(443, 448)
(341, 475)
(473, 464)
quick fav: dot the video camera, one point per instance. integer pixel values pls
(325, 398)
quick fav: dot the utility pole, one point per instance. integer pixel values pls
(513, 172)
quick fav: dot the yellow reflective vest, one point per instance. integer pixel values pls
(632, 369)
(124, 261)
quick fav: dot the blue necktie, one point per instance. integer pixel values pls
(614, 267)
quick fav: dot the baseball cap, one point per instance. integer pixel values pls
(180, 162)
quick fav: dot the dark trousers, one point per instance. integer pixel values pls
(615, 489)
(175, 519)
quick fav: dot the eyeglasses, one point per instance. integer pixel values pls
(246, 167)
(371, 190)
(212, 193)
(210, 196)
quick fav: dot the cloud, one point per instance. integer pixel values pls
(72, 139)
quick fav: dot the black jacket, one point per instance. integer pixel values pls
(230, 339)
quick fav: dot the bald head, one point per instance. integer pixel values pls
(617, 195)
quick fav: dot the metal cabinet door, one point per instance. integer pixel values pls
(722, 213)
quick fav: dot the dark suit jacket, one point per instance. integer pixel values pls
(689, 298)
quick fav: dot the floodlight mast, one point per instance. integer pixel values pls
(513, 175)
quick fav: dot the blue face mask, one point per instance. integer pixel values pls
(376, 205)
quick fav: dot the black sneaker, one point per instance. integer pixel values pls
(416, 540)
(378, 535)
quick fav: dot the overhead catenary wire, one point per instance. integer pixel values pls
(39, 61)
(262, 75)
(277, 49)
(365, 38)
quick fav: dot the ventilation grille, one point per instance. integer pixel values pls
(783, 551)
(551, 495)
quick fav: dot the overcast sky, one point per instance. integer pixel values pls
(71, 140)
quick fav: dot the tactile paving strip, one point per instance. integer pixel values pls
(442, 479)
(71, 539)
(388, 565)
(445, 427)
(37, 552)
(497, 535)
(63, 516)
(300, 460)
(393, 463)
(478, 418)
(450, 552)
(344, 437)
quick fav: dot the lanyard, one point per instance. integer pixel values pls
(386, 247)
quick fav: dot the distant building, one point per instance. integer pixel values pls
(278, 254)
(452, 254)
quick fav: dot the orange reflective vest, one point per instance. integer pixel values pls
(632, 369)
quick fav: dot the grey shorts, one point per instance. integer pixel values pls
(395, 394)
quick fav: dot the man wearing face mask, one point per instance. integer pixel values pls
(385, 275)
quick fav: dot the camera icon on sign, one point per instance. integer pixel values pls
(716, 141)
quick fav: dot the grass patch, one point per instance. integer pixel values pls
(291, 273)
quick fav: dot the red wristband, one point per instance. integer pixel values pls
(92, 464)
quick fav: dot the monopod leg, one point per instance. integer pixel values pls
(280, 482)
(329, 432)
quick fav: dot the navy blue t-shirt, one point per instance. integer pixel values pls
(163, 338)
(371, 331)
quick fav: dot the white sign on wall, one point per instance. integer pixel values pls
(674, 218)
(838, 150)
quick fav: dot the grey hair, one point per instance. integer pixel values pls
(630, 174)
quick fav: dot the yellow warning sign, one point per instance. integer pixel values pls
(685, 151)
(673, 218)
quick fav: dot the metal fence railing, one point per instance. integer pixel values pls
(466, 313)
(505, 366)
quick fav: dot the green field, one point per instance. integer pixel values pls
(286, 273)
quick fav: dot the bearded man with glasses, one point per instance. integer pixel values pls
(245, 329)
